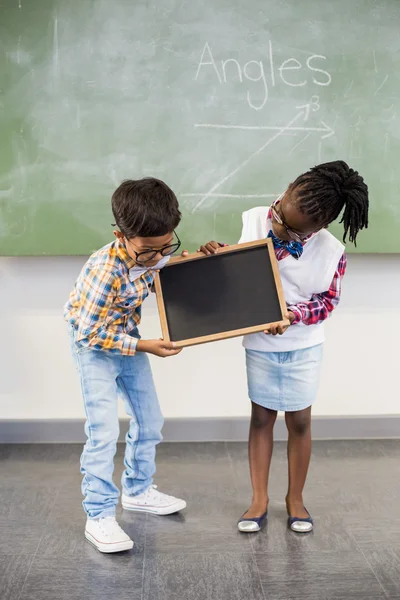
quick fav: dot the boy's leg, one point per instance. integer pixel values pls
(141, 403)
(299, 453)
(98, 374)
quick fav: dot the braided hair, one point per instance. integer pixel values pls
(328, 189)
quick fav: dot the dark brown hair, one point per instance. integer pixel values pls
(145, 208)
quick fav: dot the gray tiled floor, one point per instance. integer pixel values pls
(353, 493)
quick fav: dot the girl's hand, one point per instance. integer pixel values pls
(210, 248)
(280, 329)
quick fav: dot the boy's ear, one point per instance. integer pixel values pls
(118, 235)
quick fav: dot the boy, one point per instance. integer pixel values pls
(103, 313)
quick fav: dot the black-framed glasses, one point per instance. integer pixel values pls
(146, 256)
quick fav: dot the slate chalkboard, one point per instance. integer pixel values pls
(234, 293)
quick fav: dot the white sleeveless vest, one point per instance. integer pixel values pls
(301, 279)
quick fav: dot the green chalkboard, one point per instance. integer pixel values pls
(227, 101)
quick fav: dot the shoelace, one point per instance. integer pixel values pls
(110, 520)
(152, 492)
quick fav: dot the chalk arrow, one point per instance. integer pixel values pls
(307, 108)
(323, 128)
(328, 129)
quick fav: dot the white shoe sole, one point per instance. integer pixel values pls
(109, 548)
(155, 510)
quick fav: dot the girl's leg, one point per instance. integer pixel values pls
(299, 452)
(260, 453)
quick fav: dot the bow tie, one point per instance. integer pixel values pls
(294, 248)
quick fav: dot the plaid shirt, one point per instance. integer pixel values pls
(105, 305)
(320, 305)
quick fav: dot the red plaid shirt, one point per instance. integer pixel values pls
(320, 305)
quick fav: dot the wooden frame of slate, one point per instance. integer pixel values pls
(236, 292)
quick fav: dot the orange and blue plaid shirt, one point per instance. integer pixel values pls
(105, 304)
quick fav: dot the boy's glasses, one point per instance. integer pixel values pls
(146, 256)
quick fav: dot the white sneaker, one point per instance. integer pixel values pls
(154, 502)
(107, 536)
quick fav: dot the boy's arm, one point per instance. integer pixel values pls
(320, 306)
(97, 297)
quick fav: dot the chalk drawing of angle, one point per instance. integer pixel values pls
(292, 126)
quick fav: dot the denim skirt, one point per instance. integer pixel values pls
(284, 381)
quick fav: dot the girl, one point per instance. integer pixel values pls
(283, 372)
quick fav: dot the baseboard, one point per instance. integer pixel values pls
(204, 429)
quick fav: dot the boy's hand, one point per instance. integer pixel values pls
(158, 348)
(280, 329)
(210, 248)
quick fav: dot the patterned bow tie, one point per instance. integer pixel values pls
(294, 248)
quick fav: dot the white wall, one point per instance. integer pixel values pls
(38, 381)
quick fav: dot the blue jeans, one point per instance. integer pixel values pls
(104, 377)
